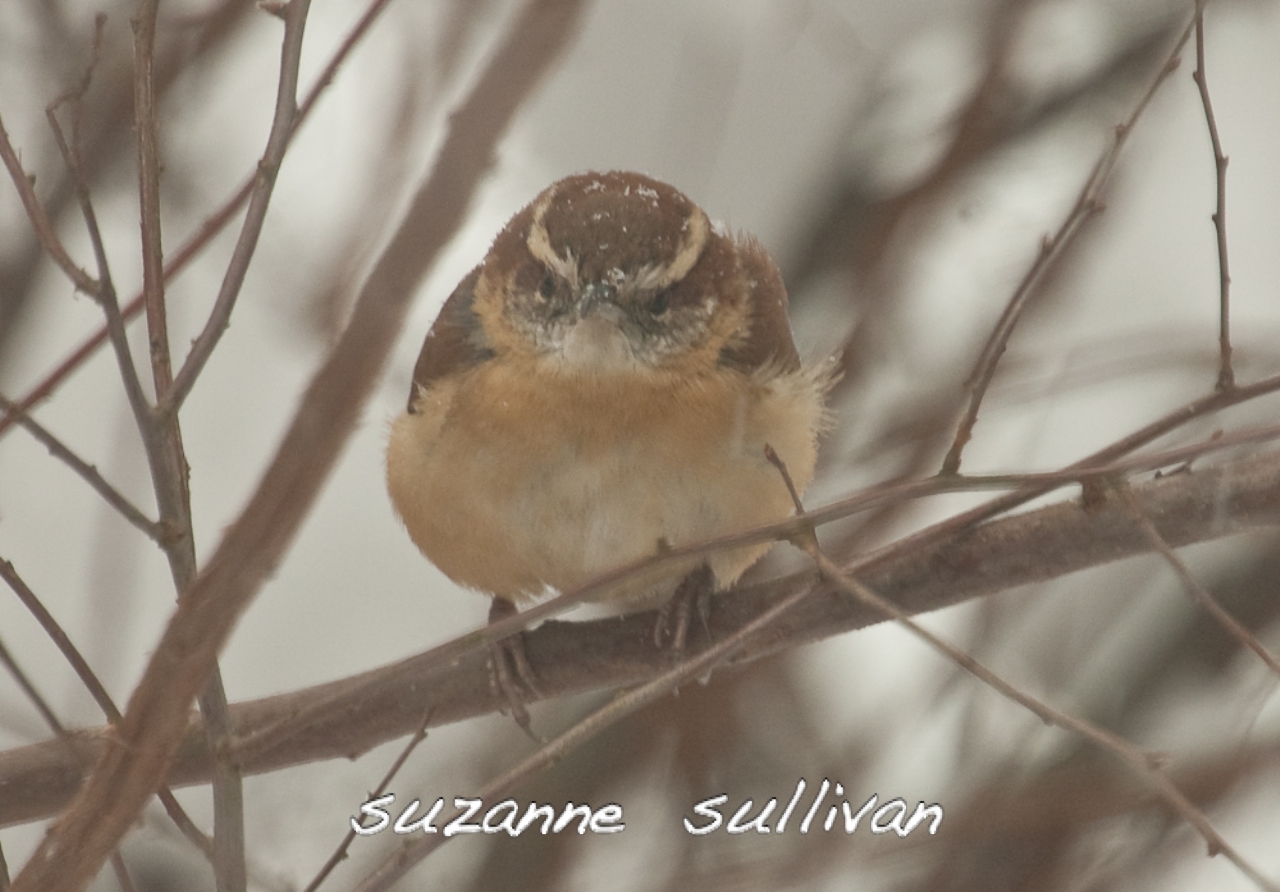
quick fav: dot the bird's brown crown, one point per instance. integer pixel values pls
(613, 272)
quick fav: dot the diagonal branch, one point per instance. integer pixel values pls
(350, 716)
(51, 719)
(40, 222)
(1195, 590)
(1087, 203)
(340, 853)
(86, 471)
(106, 293)
(1144, 765)
(405, 857)
(99, 693)
(156, 718)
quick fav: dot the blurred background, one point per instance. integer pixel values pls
(903, 161)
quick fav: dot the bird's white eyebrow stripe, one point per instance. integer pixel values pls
(539, 244)
(695, 239)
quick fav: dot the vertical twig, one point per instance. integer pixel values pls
(167, 456)
(1226, 374)
(145, 125)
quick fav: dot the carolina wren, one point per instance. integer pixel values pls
(602, 386)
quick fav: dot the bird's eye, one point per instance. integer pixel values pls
(659, 303)
(547, 287)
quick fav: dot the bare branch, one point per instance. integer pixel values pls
(1142, 764)
(156, 719)
(350, 716)
(86, 471)
(282, 128)
(106, 293)
(405, 857)
(1226, 375)
(45, 232)
(1194, 589)
(340, 853)
(24, 684)
(145, 127)
(46, 712)
(1088, 203)
(96, 690)
(1195, 409)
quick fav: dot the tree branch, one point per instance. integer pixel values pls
(1088, 203)
(344, 718)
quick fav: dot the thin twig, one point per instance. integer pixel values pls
(25, 684)
(96, 690)
(83, 469)
(207, 231)
(282, 128)
(122, 873)
(1143, 764)
(45, 232)
(106, 294)
(1088, 203)
(1195, 590)
(145, 125)
(40, 222)
(340, 853)
(1226, 375)
(1198, 408)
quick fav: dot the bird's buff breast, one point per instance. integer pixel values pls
(512, 483)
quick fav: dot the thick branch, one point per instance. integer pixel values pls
(344, 718)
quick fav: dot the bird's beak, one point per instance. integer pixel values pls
(600, 298)
(596, 341)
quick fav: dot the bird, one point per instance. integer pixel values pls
(599, 389)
